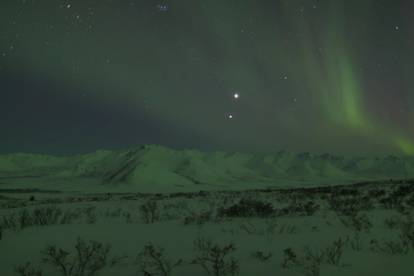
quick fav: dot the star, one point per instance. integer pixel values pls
(236, 95)
(162, 7)
(230, 116)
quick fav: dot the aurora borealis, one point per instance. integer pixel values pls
(325, 76)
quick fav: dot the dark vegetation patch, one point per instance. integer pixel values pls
(248, 208)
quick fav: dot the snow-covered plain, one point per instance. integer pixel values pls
(280, 214)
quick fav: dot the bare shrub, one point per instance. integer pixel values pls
(152, 261)
(215, 259)
(299, 209)
(400, 246)
(91, 217)
(10, 222)
(28, 270)
(248, 208)
(45, 216)
(392, 247)
(40, 216)
(287, 229)
(261, 256)
(150, 211)
(334, 252)
(198, 218)
(69, 216)
(113, 213)
(312, 260)
(407, 232)
(250, 228)
(410, 201)
(271, 226)
(355, 241)
(290, 258)
(88, 259)
(357, 222)
(25, 219)
(392, 223)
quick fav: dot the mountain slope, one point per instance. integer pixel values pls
(152, 167)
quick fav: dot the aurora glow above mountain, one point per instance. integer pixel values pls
(325, 76)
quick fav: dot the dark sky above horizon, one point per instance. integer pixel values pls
(248, 75)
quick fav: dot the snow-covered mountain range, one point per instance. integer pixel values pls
(157, 168)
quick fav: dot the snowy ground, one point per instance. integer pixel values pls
(365, 229)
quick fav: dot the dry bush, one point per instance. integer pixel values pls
(215, 259)
(150, 211)
(248, 208)
(357, 222)
(334, 252)
(261, 256)
(42, 216)
(350, 206)
(392, 247)
(407, 232)
(290, 258)
(28, 270)
(88, 259)
(152, 261)
(299, 209)
(355, 241)
(392, 223)
(310, 260)
(198, 218)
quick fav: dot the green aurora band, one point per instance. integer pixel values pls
(335, 81)
(156, 64)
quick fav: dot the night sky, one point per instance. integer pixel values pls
(247, 75)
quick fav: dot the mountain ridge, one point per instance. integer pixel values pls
(158, 167)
